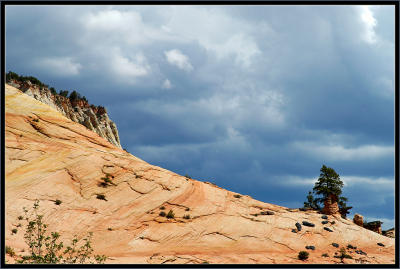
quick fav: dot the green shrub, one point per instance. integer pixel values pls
(237, 196)
(58, 202)
(162, 207)
(20, 217)
(109, 228)
(303, 255)
(187, 209)
(325, 255)
(187, 176)
(10, 251)
(106, 181)
(46, 248)
(63, 93)
(170, 215)
(186, 216)
(162, 214)
(14, 231)
(36, 120)
(343, 255)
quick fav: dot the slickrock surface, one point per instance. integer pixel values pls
(94, 118)
(50, 157)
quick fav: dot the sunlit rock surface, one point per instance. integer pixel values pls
(49, 157)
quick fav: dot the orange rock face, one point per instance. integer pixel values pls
(358, 219)
(49, 157)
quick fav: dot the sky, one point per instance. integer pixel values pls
(254, 99)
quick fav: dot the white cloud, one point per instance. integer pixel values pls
(338, 152)
(63, 66)
(367, 17)
(128, 68)
(297, 181)
(377, 182)
(216, 31)
(177, 58)
(167, 84)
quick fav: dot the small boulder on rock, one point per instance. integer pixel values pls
(360, 252)
(351, 246)
(358, 219)
(310, 247)
(309, 224)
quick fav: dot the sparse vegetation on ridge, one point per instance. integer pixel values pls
(74, 95)
(45, 247)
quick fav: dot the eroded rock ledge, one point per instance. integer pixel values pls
(95, 118)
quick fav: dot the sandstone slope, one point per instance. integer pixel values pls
(50, 157)
(95, 118)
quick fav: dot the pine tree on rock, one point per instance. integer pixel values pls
(329, 186)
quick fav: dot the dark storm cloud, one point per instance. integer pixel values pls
(254, 99)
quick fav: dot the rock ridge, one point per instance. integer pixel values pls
(94, 118)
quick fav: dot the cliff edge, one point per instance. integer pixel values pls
(95, 118)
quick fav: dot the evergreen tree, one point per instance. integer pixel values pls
(343, 208)
(311, 202)
(328, 183)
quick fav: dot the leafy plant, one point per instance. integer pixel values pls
(343, 255)
(162, 207)
(10, 251)
(325, 255)
(14, 231)
(106, 181)
(170, 215)
(237, 195)
(162, 214)
(58, 202)
(303, 255)
(20, 217)
(187, 176)
(47, 248)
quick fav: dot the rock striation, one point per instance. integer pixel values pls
(49, 157)
(95, 118)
